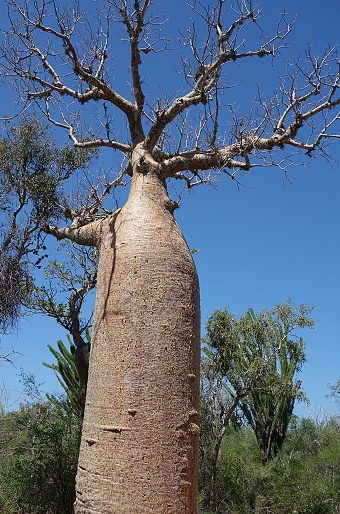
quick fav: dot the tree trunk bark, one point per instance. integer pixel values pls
(139, 449)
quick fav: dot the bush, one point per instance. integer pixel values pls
(304, 478)
(39, 447)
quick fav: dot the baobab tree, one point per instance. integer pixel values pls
(139, 449)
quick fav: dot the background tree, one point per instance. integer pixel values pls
(258, 358)
(147, 290)
(32, 169)
(7, 355)
(335, 390)
(38, 452)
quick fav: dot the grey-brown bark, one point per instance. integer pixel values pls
(140, 438)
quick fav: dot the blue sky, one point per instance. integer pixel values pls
(260, 244)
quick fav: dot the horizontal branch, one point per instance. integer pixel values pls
(87, 235)
(226, 157)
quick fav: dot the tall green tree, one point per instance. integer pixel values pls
(32, 170)
(145, 360)
(258, 356)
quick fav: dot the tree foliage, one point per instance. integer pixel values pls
(39, 447)
(62, 292)
(257, 357)
(62, 296)
(32, 169)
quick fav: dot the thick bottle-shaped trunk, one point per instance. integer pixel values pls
(139, 450)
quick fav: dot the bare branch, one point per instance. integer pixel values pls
(98, 198)
(182, 142)
(23, 57)
(97, 85)
(305, 122)
(8, 357)
(135, 24)
(210, 67)
(83, 232)
(90, 143)
(87, 235)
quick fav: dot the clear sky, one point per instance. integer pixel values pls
(260, 244)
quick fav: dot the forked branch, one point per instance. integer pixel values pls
(30, 53)
(303, 118)
(220, 48)
(301, 115)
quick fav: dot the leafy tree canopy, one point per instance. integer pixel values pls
(257, 357)
(32, 171)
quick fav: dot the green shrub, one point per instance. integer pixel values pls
(39, 447)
